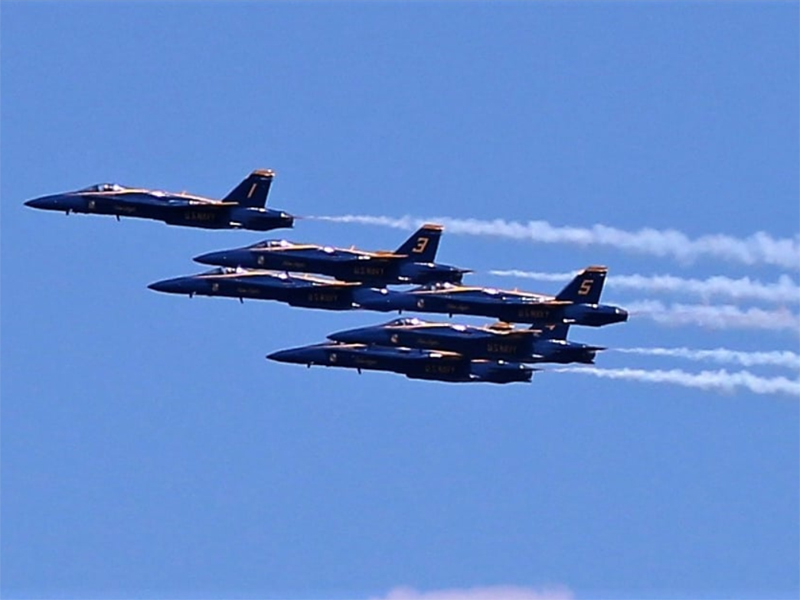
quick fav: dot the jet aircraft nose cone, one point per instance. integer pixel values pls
(170, 286)
(43, 202)
(344, 337)
(289, 356)
(376, 299)
(222, 259)
(351, 336)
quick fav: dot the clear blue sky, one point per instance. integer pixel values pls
(149, 450)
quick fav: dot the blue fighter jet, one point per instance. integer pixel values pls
(413, 262)
(243, 208)
(295, 290)
(500, 341)
(577, 303)
(413, 363)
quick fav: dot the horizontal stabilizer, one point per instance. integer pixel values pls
(554, 332)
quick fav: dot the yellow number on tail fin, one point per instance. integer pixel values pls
(422, 243)
(586, 287)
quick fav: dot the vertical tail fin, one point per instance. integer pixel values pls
(586, 287)
(423, 244)
(252, 192)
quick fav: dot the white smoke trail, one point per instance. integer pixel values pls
(744, 288)
(716, 317)
(492, 592)
(720, 380)
(723, 355)
(758, 248)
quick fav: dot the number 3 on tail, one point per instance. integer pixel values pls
(586, 287)
(422, 243)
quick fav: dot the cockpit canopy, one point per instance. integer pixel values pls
(103, 187)
(436, 286)
(224, 271)
(404, 321)
(272, 244)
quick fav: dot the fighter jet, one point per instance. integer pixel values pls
(577, 303)
(413, 363)
(295, 290)
(412, 263)
(500, 341)
(243, 208)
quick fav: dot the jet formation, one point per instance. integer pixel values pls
(315, 276)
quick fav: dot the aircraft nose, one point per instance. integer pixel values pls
(45, 202)
(293, 355)
(171, 286)
(222, 259)
(353, 336)
(375, 299)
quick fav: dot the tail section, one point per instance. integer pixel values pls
(252, 192)
(422, 246)
(586, 287)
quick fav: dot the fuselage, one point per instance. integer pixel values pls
(174, 209)
(342, 264)
(523, 345)
(508, 306)
(295, 290)
(413, 363)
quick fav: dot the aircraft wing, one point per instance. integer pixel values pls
(327, 282)
(379, 256)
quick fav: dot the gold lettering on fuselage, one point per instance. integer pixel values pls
(534, 313)
(368, 271)
(294, 264)
(323, 297)
(456, 307)
(198, 215)
(440, 369)
(125, 209)
(242, 290)
(494, 348)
